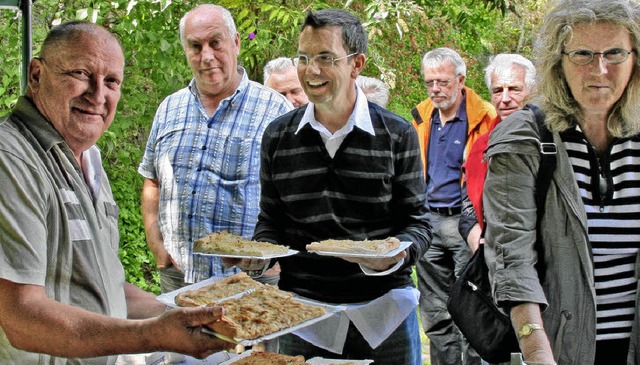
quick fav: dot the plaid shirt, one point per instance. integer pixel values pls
(208, 168)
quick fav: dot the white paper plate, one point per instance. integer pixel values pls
(329, 311)
(237, 256)
(313, 361)
(236, 358)
(402, 247)
(323, 361)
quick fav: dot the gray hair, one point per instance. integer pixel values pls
(353, 35)
(504, 62)
(438, 56)
(278, 64)
(554, 94)
(68, 33)
(226, 17)
(375, 90)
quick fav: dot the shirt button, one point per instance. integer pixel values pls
(193, 192)
(190, 216)
(204, 148)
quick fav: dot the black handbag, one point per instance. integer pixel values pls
(487, 329)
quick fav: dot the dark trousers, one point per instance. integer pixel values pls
(437, 271)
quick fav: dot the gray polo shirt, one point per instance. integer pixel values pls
(58, 226)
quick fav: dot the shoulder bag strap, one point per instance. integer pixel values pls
(548, 152)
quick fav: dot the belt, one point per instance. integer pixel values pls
(446, 211)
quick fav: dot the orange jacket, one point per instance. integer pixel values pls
(480, 113)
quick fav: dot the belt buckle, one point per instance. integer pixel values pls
(447, 211)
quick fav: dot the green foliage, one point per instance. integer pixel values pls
(400, 32)
(268, 30)
(10, 63)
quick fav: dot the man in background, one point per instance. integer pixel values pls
(510, 79)
(280, 74)
(375, 90)
(448, 123)
(202, 158)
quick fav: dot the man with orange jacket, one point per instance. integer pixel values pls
(448, 123)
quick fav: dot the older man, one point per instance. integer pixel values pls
(64, 297)
(203, 154)
(280, 74)
(448, 123)
(510, 79)
(375, 90)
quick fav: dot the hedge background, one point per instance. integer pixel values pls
(400, 32)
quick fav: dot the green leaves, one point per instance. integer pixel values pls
(400, 32)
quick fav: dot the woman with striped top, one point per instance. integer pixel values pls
(583, 309)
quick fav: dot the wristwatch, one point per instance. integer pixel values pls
(528, 329)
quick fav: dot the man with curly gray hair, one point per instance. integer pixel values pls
(375, 90)
(510, 79)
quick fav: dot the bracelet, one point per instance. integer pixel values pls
(528, 329)
(256, 273)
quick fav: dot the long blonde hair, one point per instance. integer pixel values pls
(553, 92)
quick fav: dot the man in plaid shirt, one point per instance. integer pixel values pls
(202, 158)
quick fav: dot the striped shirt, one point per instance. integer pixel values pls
(610, 190)
(372, 187)
(208, 168)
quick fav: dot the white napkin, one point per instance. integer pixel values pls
(375, 320)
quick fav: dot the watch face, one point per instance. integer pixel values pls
(528, 328)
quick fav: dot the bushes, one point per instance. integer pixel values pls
(400, 33)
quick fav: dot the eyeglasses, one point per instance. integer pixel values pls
(611, 56)
(441, 83)
(320, 60)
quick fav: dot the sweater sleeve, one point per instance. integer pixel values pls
(266, 227)
(410, 197)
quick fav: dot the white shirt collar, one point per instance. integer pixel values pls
(359, 117)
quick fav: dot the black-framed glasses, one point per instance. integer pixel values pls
(320, 60)
(611, 56)
(441, 83)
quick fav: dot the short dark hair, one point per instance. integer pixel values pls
(353, 35)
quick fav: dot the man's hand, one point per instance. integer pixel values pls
(377, 264)
(163, 259)
(29, 316)
(474, 239)
(254, 267)
(181, 329)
